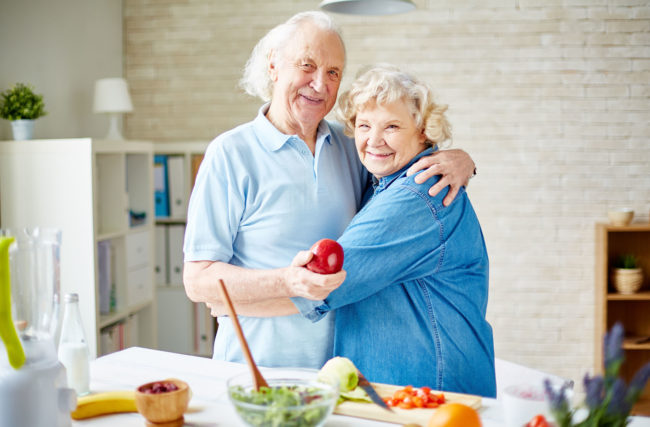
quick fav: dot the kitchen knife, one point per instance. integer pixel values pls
(368, 388)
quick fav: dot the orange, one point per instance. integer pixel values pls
(454, 415)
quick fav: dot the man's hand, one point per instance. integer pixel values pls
(455, 166)
(307, 284)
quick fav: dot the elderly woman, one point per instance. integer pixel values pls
(412, 307)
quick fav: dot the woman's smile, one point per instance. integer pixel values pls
(378, 156)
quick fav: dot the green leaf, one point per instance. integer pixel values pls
(21, 103)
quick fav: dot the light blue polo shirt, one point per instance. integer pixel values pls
(260, 197)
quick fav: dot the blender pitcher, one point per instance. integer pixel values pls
(33, 390)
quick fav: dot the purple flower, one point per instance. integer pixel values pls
(558, 401)
(613, 349)
(618, 404)
(595, 391)
(638, 383)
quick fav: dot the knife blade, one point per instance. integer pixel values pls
(372, 393)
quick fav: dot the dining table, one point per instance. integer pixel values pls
(209, 405)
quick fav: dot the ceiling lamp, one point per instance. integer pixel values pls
(367, 7)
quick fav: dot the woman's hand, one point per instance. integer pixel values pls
(302, 282)
(455, 166)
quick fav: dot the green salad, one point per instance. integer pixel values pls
(282, 406)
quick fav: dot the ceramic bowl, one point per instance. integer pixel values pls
(162, 407)
(521, 402)
(314, 405)
(621, 216)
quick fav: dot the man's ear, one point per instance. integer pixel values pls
(272, 66)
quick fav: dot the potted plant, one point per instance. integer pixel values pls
(626, 274)
(22, 106)
(608, 398)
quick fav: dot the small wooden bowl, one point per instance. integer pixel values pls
(165, 408)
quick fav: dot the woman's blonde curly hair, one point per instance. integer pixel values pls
(384, 84)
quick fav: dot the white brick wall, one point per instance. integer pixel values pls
(551, 99)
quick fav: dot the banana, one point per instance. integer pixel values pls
(109, 402)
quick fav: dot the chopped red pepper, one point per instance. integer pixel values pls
(411, 397)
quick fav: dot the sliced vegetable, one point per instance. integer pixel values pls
(290, 406)
(411, 397)
(538, 421)
(356, 395)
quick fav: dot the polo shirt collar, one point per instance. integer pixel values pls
(273, 139)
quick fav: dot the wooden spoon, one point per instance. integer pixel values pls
(258, 379)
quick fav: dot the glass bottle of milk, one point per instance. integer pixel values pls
(73, 348)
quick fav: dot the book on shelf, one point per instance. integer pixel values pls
(176, 186)
(195, 164)
(175, 235)
(105, 276)
(161, 189)
(161, 269)
(120, 335)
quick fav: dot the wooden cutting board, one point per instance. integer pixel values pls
(400, 416)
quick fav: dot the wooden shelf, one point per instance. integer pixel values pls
(630, 310)
(635, 226)
(636, 343)
(639, 296)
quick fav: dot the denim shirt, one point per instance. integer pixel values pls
(412, 307)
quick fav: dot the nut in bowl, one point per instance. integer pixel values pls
(294, 398)
(163, 402)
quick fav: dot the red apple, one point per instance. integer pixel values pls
(328, 257)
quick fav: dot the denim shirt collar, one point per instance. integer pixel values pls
(273, 139)
(380, 184)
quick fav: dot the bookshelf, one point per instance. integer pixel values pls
(98, 193)
(632, 310)
(177, 314)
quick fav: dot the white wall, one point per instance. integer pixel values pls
(551, 98)
(61, 47)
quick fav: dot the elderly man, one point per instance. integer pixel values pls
(272, 187)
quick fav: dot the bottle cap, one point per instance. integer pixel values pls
(74, 297)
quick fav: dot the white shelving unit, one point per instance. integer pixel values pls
(184, 327)
(90, 189)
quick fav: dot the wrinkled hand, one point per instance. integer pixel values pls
(455, 166)
(302, 282)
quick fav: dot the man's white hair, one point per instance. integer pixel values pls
(256, 80)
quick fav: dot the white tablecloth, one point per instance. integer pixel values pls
(209, 407)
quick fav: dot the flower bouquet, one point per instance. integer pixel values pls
(608, 400)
